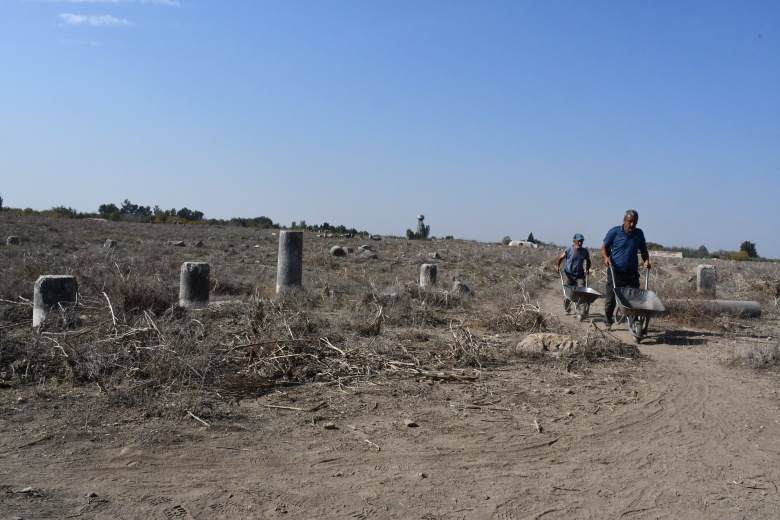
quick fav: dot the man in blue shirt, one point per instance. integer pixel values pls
(577, 264)
(620, 251)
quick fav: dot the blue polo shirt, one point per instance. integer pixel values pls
(624, 248)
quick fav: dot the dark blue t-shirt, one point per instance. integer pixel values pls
(624, 248)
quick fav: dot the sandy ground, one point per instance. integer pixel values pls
(676, 435)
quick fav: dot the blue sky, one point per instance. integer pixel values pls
(493, 119)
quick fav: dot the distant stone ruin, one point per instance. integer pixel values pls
(666, 254)
(522, 243)
(420, 226)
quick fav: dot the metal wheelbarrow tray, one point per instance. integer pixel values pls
(638, 306)
(581, 297)
(638, 302)
(581, 294)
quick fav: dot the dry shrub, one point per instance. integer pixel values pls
(515, 316)
(14, 314)
(226, 287)
(467, 349)
(138, 297)
(432, 298)
(688, 314)
(753, 355)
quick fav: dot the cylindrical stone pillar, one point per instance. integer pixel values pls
(706, 282)
(427, 275)
(194, 285)
(289, 271)
(54, 293)
(744, 309)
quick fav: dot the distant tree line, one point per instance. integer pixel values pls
(130, 211)
(146, 214)
(326, 228)
(157, 215)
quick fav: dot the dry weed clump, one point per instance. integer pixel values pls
(688, 314)
(753, 355)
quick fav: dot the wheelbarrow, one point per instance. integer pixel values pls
(580, 297)
(637, 306)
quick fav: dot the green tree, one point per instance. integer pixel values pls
(749, 248)
(107, 209)
(128, 208)
(189, 214)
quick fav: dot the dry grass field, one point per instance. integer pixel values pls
(363, 395)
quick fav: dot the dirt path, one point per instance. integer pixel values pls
(679, 435)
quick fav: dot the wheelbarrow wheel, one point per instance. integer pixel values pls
(636, 330)
(582, 311)
(566, 305)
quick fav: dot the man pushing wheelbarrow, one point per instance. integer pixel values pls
(574, 278)
(620, 256)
